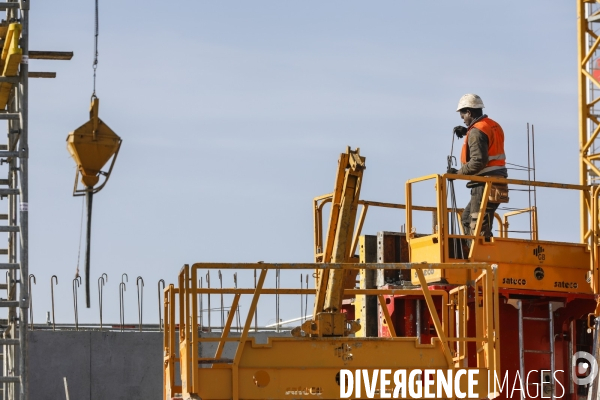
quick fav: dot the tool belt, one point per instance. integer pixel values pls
(498, 193)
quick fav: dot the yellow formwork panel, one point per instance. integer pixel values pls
(5, 89)
(12, 55)
(426, 248)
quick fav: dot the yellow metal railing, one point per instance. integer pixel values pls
(442, 210)
(242, 374)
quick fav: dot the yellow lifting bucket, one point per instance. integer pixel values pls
(91, 146)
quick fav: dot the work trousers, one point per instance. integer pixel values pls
(471, 212)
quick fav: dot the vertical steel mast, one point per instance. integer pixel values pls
(588, 39)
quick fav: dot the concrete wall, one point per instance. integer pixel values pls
(107, 365)
(97, 365)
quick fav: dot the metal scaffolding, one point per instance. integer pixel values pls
(14, 154)
(14, 76)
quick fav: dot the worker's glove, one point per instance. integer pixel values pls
(451, 170)
(460, 131)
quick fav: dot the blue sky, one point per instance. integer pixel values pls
(233, 114)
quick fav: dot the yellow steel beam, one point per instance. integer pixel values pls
(348, 266)
(480, 217)
(227, 327)
(323, 276)
(436, 319)
(386, 315)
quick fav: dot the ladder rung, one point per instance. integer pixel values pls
(5, 153)
(9, 342)
(4, 252)
(3, 286)
(4, 116)
(3, 147)
(9, 303)
(12, 228)
(536, 319)
(6, 192)
(10, 379)
(9, 266)
(537, 351)
(3, 216)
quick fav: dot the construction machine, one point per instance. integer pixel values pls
(415, 300)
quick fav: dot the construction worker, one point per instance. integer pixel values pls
(482, 155)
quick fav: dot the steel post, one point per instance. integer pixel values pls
(24, 206)
(551, 322)
(521, 347)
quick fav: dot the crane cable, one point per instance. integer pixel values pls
(94, 67)
(454, 224)
(96, 31)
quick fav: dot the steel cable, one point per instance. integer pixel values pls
(454, 224)
(96, 31)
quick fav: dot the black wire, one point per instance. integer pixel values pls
(454, 224)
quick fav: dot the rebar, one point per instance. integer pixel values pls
(535, 227)
(76, 283)
(256, 309)
(222, 308)
(31, 299)
(529, 187)
(160, 323)
(140, 297)
(122, 288)
(301, 296)
(238, 317)
(306, 300)
(208, 297)
(277, 285)
(200, 296)
(101, 282)
(53, 279)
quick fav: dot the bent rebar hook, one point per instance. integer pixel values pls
(53, 279)
(101, 281)
(122, 289)
(31, 299)
(140, 297)
(160, 325)
(222, 305)
(76, 283)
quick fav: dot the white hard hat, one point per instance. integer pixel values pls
(470, 100)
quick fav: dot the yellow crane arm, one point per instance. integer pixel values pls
(328, 320)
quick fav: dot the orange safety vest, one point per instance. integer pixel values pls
(495, 134)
